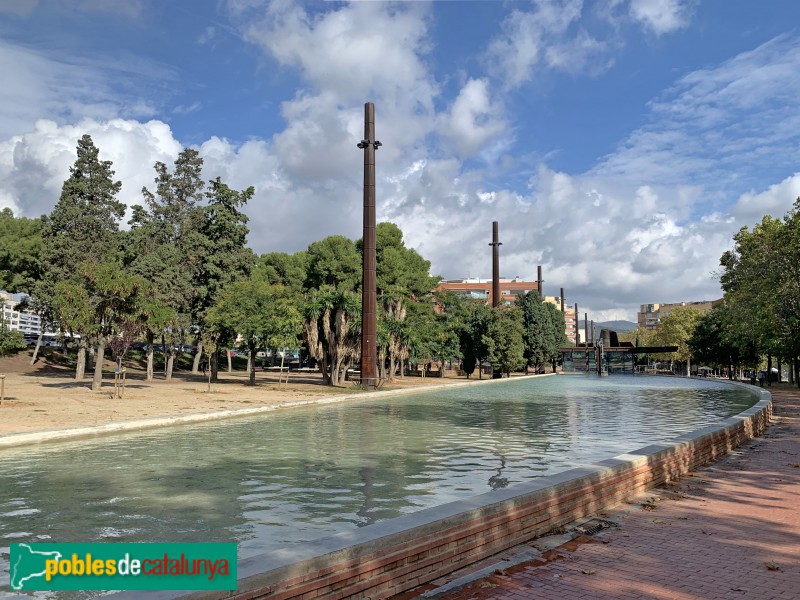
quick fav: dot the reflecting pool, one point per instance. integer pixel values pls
(296, 475)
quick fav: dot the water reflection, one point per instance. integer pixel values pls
(290, 477)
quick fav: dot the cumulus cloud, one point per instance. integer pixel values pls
(573, 36)
(661, 16)
(33, 166)
(548, 36)
(473, 120)
(775, 200)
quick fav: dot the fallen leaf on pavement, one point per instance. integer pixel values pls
(588, 571)
(772, 565)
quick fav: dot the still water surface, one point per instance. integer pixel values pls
(294, 476)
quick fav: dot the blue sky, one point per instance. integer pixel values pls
(619, 143)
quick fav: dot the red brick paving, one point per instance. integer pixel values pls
(730, 531)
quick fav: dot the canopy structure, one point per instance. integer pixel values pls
(607, 359)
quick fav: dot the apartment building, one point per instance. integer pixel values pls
(482, 288)
(650, 315)
(27, 322)
(571, 324)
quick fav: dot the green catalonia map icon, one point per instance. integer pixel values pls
(27, 566)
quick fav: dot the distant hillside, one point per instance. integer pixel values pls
(618, 326)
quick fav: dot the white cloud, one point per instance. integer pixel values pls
(720, 129)
(547, 36)
(775, 200)
(66, 89)
(33, 166)
(472, 121)
(661, 16)
(573, 36)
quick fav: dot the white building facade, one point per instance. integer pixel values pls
(29, 323)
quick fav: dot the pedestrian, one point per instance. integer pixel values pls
(204, 365)
(761, 376)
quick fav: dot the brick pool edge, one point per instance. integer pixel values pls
(397, 555)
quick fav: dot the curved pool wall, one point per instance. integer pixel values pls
(400, 554)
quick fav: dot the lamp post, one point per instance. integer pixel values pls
(369, 324)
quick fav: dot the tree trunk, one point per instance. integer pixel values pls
(170, 363)
(150, 369)
(338, 364)
(36, 349)
(97, 382)
(164, 351)
(769, 370)
(251, 366)
(229, 353)
(325, 369)
(198, 355)
(80, 364)
(214, 366)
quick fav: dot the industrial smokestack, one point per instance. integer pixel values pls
(539, 280)
(495, 265)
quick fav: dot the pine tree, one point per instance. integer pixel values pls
(83, 227)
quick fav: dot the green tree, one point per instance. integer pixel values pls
(557, 336)
(473, 334)
(333, 262)
(761, 280)
(101, 302)
(221, 249)
(504, 342)
(165, 246)
(332, 322)
(257, 313)
(289, 270)
(543, 330)
(83, 226)
(11, 342)
(402, 276)
(20, 246)
(713, 342)
(676, 329)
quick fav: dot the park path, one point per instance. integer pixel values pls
(728, 531)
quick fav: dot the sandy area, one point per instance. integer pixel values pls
(46, 396)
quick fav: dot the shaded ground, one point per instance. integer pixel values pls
(46, 396)
(729, 531)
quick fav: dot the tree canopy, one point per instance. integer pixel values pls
(20, 246)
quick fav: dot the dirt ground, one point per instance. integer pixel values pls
(46, 396)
